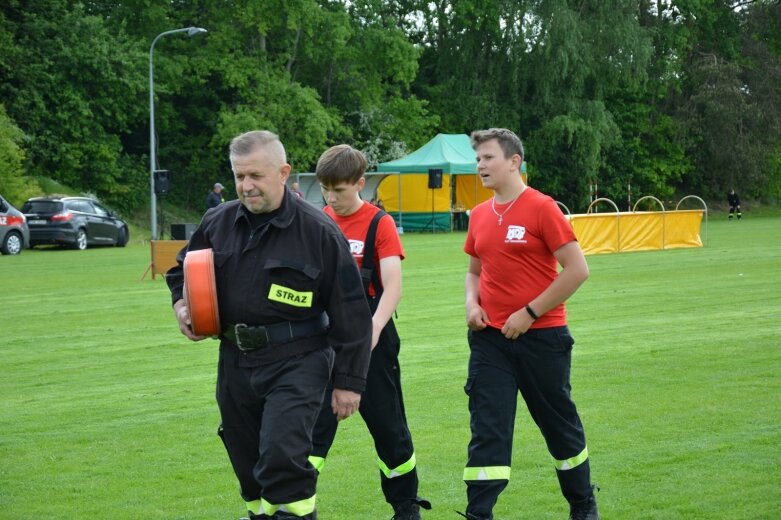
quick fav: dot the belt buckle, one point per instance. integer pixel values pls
(250, 338)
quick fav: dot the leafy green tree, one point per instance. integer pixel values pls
(572, 143)
(729, 97)
(672, 96)
(649, 159)
(75, 89)
(288, 109)
(15, 186)
(307, 70)
(363, 64)
(546, 69)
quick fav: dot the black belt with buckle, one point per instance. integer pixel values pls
(248, 338)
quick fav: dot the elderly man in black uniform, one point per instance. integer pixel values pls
(277, 352)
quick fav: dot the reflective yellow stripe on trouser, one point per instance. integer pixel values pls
(572, 462)
(299, 508)
(487, 473)
(317, 462)
(398, 471)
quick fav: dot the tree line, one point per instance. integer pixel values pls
(670, 97)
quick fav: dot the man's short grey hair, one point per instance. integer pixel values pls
(509, 142)
(248, 142)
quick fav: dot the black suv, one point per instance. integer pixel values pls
(74, 221)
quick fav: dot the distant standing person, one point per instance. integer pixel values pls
(377, 249)
(215, 198)
(518, 333)
(734, 204)
(296, 189)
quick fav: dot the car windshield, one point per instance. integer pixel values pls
(42, 206)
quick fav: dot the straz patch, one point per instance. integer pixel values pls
(288, 296)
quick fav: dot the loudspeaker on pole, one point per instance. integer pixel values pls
(162, 182)
(434, 179)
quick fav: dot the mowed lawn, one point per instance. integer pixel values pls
(108, 412)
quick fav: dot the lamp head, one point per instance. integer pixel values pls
(192, 31)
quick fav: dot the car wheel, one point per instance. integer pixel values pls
(123, 237)
(12, 245)
(81, 240)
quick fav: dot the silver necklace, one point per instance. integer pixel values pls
(500, 215)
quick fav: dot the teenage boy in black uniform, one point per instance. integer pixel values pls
(277, 352)
(375, 244)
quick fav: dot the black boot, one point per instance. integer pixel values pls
(408, 511)
(470, 516)
(584, 510)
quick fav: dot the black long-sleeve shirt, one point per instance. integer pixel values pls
(300, 249)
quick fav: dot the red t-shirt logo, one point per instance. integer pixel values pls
(356, 248)
(515, 234)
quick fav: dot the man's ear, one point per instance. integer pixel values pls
(284, 172)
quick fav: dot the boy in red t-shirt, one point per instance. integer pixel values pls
(518, 333)
(340, 171)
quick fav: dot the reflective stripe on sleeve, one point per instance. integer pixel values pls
(572, 462)
(487, 473)
(398, 471)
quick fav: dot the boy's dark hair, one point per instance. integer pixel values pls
(509, 142)
(340, 163)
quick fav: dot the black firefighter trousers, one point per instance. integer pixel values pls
(538, 365)
(268, 413)
(382, 409)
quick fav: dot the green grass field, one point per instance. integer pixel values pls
(108, 412)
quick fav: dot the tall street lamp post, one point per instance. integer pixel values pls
(191, 31)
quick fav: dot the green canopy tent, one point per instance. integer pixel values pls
(409, 196)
